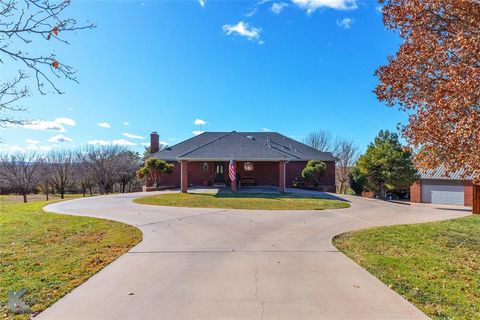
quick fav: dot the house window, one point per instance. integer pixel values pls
(248, 166)
(205, 166)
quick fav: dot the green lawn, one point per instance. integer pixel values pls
(242, 201)
(436, 265)
(50, 254)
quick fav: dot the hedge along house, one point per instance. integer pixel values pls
(260, 158)
(439, 187)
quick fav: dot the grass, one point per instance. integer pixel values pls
(435, 265)
(50, 254)
(242, 201)
(37, 197)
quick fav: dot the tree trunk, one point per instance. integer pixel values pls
(91, 192)
(341, 188)
(123, 186)
(46, 195)
(62, 193)
(24, 197)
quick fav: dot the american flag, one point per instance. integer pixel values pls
(231, 170)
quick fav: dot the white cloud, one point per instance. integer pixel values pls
(312, 5)
(244, 30)
(345, 23)
(99, 142)
(132, 136)
(11, 149)
(254, 10)
(379, 8)
(125, 123)
(266, 129)
(60, 138)
(277, 7)
(66, 121)
(146, 144)
(45, 125)
(33, 147)
(199, 122)
(17, 148)
(197, 132)
(104, 124)
(118, 142)
(123, 142)
(32, 141)
(202, 3)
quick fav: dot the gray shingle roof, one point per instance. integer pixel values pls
(260, 146)
(440, 173)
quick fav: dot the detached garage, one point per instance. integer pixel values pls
(435, 186)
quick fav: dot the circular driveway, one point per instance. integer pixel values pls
(238, 264)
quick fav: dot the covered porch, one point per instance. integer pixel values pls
(247, 173)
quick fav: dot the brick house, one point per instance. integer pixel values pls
(261, 158)
(438, 186)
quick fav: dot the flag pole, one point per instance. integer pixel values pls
(232, 173)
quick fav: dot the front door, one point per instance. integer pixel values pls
(219, 169)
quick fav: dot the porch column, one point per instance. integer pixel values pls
(281, 177)
(184, 175)
(476, 199)
(233, 183)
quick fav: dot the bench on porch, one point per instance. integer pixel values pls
(247, 180)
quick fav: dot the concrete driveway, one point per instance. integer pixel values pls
(238, 264)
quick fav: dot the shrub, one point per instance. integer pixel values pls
(313, 171)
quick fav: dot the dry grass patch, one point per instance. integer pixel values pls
(50, 254)
(435, 265)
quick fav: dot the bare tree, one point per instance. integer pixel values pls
(347, 154)
(321, 140)
(128, 163)
(83, 176)
(19, 172)
(21, 23)
(61, 166)
(44, 177)
(103, 163)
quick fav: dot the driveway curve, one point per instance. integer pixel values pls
(238, 264)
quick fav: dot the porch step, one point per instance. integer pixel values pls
(218, 185)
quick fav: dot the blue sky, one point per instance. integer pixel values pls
(287, 66)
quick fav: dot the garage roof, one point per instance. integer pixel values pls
(441, 173)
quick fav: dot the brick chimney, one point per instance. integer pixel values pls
(154, 142)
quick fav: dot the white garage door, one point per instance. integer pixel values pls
(443, 194)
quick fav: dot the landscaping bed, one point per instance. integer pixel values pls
(435, 265)
(254, 201)
(50, 254)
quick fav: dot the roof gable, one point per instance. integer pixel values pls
(260, 146)
(234, 146)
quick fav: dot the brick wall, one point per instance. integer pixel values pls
(327, 181)
(416, 192)
(196, 175)
(468, 194)
(173, 179)
(264, 173)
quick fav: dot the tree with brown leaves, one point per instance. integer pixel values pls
(435, 78)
